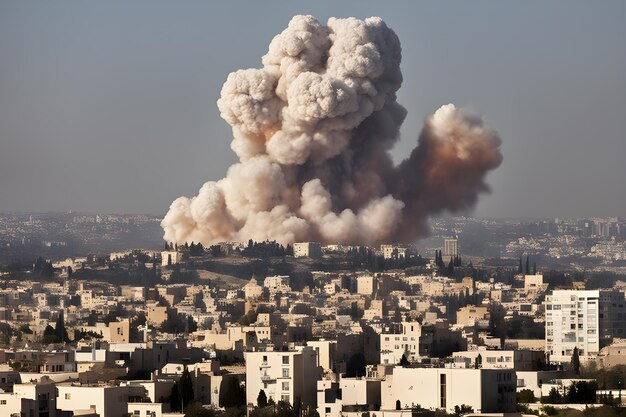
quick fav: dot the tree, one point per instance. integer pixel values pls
(261, 400)
(463, 409)
(527, 265)
(25, 328)
(182, 392)
(59, 329)
(174, 398)
(398, 405)
(519, 268)
(451, 267)
(195, 409)
(404, 361)
(234, 395)
(526, 396)
(185, 388)
(575, 362)
(356, 365)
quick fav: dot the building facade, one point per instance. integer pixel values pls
(583, 319)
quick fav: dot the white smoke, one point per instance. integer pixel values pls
(312, 130)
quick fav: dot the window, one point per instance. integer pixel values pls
(285, 386)
(285, 372)
(3, 402)
(285, 360)
(68, 396)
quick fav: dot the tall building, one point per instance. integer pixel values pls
(283, 376)
(586, 319)
(451, 246)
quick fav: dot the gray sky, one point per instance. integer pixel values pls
(110, 106)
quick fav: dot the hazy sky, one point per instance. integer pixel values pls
(110, 106)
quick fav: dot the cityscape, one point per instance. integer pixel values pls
(351, 253)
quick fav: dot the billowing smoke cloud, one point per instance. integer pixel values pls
(312, 130)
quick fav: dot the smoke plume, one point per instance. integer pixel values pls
(312, 130)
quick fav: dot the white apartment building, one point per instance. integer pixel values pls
(284, 376)
(393, 251)
(485, 390)
(277, 283)
(106, 400)
(587, 319)
(348, 397)
(307, 250)
(33, 399)
(450, 246)
(394, 345)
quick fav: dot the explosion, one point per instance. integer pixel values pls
(313, 129)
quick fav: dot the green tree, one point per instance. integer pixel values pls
(575, 362)
(185, 388)
(526, 396)
(195, 409)
(59, 328)
(261, 400)
(182, 392)
(356, 365)
(174, 398)
(404, 361)
(49, 335)
(234, 395)
(463, 409)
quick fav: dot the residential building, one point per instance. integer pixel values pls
(283, 376)
(583, 319)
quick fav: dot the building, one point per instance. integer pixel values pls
(252, 289)
(586, 319)
(365, 285)
(350, 396)
(393, 251)
(170, 257)
(520, 360)
(158, 314)
(106, 400)
(451, 246)
(485, 390)
(307, 250)
(469, 315)
(534, 283)
(283, 376)
(407, 343)
(277, 283)
(33, 399)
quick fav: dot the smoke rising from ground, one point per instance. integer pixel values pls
(312, 130)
